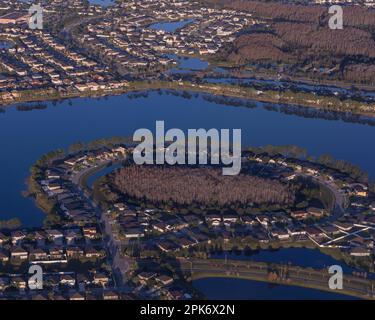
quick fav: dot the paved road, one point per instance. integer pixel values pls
(76, 178)
(120, 265)
(338, 209)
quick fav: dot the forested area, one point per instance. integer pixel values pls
(206, 187)
(299, 37)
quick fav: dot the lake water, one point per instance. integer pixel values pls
(302, 257)
(187, 64)
(25, 136)
(101, 173)
(103, 3)
(170, 26)
(238, 289)
(303, 87)
(224, 288)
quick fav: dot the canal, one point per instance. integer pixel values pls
(238, 289)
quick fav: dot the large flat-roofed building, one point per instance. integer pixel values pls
(14, 17)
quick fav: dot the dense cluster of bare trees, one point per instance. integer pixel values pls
(355, 16)
(201, 186)
(292, 42)
(276, 10)
(363, 73)
(258, 47)
(318, 39)
(299, 35)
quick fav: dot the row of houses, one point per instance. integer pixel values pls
(49, 255)
(50, 236)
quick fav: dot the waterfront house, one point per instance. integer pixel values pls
(17, 237)
(314, 232)
(330, 230)
(164, 280)
(280, 234)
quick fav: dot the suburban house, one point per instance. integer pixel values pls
(19, 253)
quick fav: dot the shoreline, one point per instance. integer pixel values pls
(273, 273)
(298, 99)
(256, 278)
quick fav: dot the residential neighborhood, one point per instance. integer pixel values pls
(115, 234)
(87, 214)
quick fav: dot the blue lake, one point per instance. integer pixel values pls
(188, 64)
(323, 89)
(302, 257)
(170, 26)
(92, 178)
(238, 289)
(25, 136)
(103, 3)
(185, 64)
